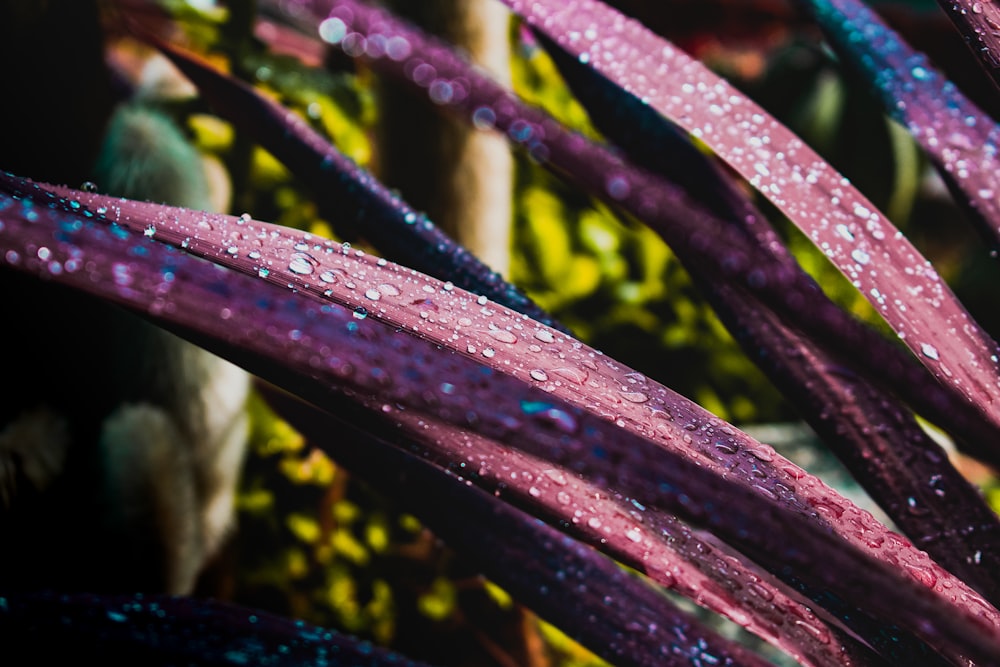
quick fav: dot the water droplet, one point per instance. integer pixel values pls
(822, 635)
(760, 591)
(545, 336)
(929, 351)
(634, 535)
(360, 312)
(577, 375)
(502, 335)
(538, 374)
(563, 498)
(302, 264)
(150, 231)
(727, 447)
(635, 396)
(534, 492)
(373, 294)
(555, 475)
(860, 256)
(489, 353)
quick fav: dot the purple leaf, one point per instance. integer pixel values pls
(356, 202)
(979, 24)
(381, 355)
(958, 136)
(56, 628)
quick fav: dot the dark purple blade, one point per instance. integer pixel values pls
(343, 359)
(958, 136)
(355, 202)
(139, 629)
(900, 466)
(619, 616)
(979, 24)
(885, 267)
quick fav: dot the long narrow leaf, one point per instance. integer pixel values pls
(959, 137)
(979, 24)
(53, 628)
(319, 349)
(356, 202)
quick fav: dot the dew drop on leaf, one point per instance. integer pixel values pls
(302, 264)
(555, 475)
(545, 336)
(577, 375)
(502, 335)
(635, 396)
